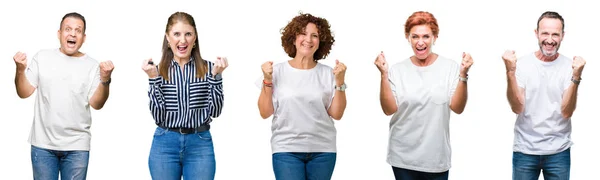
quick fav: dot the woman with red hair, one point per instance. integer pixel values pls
(419, 93)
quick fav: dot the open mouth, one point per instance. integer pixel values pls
(71, 42)
(182, 48)
(421, 50)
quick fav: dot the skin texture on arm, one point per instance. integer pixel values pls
(514, 94)
(569, 101)
(459, 99)
(338, 104)
(102, 91)
(23, 87)
(265, 100)
(386, 96)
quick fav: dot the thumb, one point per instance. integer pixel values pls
(337, 62)
(512, 51)
(271, 62)
(464, 55)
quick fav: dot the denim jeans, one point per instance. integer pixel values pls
(407, 174)
(554, 167)
(48, 164)
(303, 166)
(174, 155)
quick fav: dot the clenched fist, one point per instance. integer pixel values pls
(381, 64)
(267, 69)
(21, 61)
(339, 72)
(578, 64)
(467, 62)
(219, 65)
(510, 60)
(150, 68)
(106, 68)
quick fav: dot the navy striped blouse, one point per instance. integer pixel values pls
(185, 101)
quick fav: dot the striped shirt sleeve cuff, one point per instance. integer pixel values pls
(154, 81)
(215, 80)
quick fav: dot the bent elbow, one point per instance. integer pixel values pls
(566, 115)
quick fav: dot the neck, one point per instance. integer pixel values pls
(303, 62)
(182, 61)
(545, 58)
(77, 54)
(424, 62)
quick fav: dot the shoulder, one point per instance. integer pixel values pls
(565, 59)
(447, 61)
(323, 67)
(401, 65)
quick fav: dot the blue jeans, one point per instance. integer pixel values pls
(407, 174)
(303, 166)
(555, 166)
(174, 155)
(48, 164)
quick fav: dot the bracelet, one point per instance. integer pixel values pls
(575, 81)
(463, 79)
(268, 84)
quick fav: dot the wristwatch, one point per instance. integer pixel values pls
(341, 88)
(107, 82)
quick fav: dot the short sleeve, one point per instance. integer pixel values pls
(520, 76)
(393, 78)
(453, 80)
(32, 72)
(95, 81)
(567, 79)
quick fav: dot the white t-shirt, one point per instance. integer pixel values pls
(541, 129)
(419, 137)
(64, 85)
(301, 98)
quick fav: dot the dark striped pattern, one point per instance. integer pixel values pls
(185, 101)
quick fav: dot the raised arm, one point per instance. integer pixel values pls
(386, 96)
(102, 91)
(22, 84)
(265, 100)
(338, 104)
(216, 86)
(569, 101)
(155, 93)
(459, 99)
(514, 93)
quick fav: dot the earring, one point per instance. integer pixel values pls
(194, 45)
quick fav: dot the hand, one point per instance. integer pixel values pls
(106, 68)
(510, 60)
(219, 65)
(339, 72)
(467, 62)
(150, 68)
(578, 64)
(381, 64)
(267, 69)
(21, 61)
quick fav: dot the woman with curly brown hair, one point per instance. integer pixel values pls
(303, 96)
(420, 92)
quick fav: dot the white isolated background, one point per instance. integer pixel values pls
(247, 32)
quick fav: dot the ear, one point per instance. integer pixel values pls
(563, 35)
(83, 38)
(167, 37)
(58, 35)
(536, 33)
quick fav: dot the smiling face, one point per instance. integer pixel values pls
(421, 39)
(71, 36)
(181, 38)
(307, 42)
(550, 35)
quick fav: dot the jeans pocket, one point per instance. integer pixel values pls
(159, 131)
(205, 135)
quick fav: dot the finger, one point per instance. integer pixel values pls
(463, 55)
(225, 62)
(337, 61)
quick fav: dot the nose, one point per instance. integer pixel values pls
(72, 33)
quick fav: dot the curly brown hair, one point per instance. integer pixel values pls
(298, 25)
